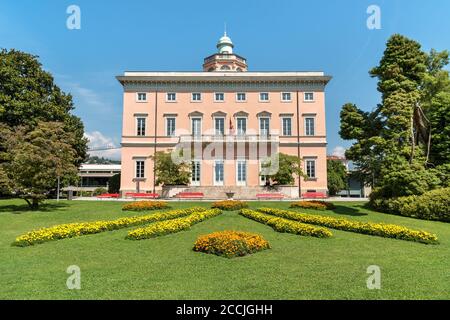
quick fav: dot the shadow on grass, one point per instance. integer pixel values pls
(348, 210)
(23, 208)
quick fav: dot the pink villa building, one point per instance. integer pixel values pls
(231, 119)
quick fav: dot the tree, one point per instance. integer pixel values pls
(28, 95)
(393, 140)
(35, 158)
(436, 104)
(114, 184)
(336, 176)
(170, 173)
(288, 168)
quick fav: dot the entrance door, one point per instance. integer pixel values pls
(218, 173)
(241, 173)
(196, 169)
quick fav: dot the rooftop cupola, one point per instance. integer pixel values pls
(225, 60)
(225, 45)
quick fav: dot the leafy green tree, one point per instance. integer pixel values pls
(391, 142)
(169, 173)
(436, 104)
(288, 168)
(35, 158)
(336, 176)
(28, 95)
(114, 184)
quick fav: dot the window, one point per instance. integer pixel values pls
(140, 126)
(141, 97)
(309, 126)
(309, 96)
(287, 126)
(241, 126)
(196, 169)
(171, 96)
(218, 172)
(140, 169)
(196, 127)
(219, 97)
(196, 96)
(241, 172)
(225, 67)
(286, 96)
(311, 168)
(170, 127)
(264, 96)
(219, 126)
(264, 127)
(241, 96)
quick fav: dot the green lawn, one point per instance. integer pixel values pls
(166, 267)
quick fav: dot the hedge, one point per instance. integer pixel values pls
(432, 205)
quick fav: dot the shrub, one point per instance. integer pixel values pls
(370, 228)
(172, 226)
(432, 205)
(313, 204)
(99, 191)
(71, 230)
(229, 205)
(231, 244)
(145, 205)
(285, 225)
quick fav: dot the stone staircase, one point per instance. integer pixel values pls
(218, 192)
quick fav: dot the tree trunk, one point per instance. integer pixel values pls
(33, 204)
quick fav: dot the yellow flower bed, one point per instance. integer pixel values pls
(285, 225)
(370, 228)
(145, 205)
(71, 230)
(171, 226)
(313, 204)
(231, 244)
(229, 205)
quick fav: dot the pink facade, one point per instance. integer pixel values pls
(234, 119)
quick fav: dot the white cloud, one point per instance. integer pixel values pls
(99, 141)
(339, 151)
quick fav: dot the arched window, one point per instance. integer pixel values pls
(239, 70)
(225, 67)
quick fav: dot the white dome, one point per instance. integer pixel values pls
(225, 45)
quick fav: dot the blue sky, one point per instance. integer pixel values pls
(328, 35)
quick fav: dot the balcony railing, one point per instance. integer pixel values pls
(230, 138)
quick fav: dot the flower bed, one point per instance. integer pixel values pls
(145, 205)
(285, 225)
(370, 228)
(231, 244)
(71, 230)
(229, 205)
(313, 204)
(171, 226)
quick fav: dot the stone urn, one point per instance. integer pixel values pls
(230, 195)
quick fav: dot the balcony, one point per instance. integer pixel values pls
(205, 138)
